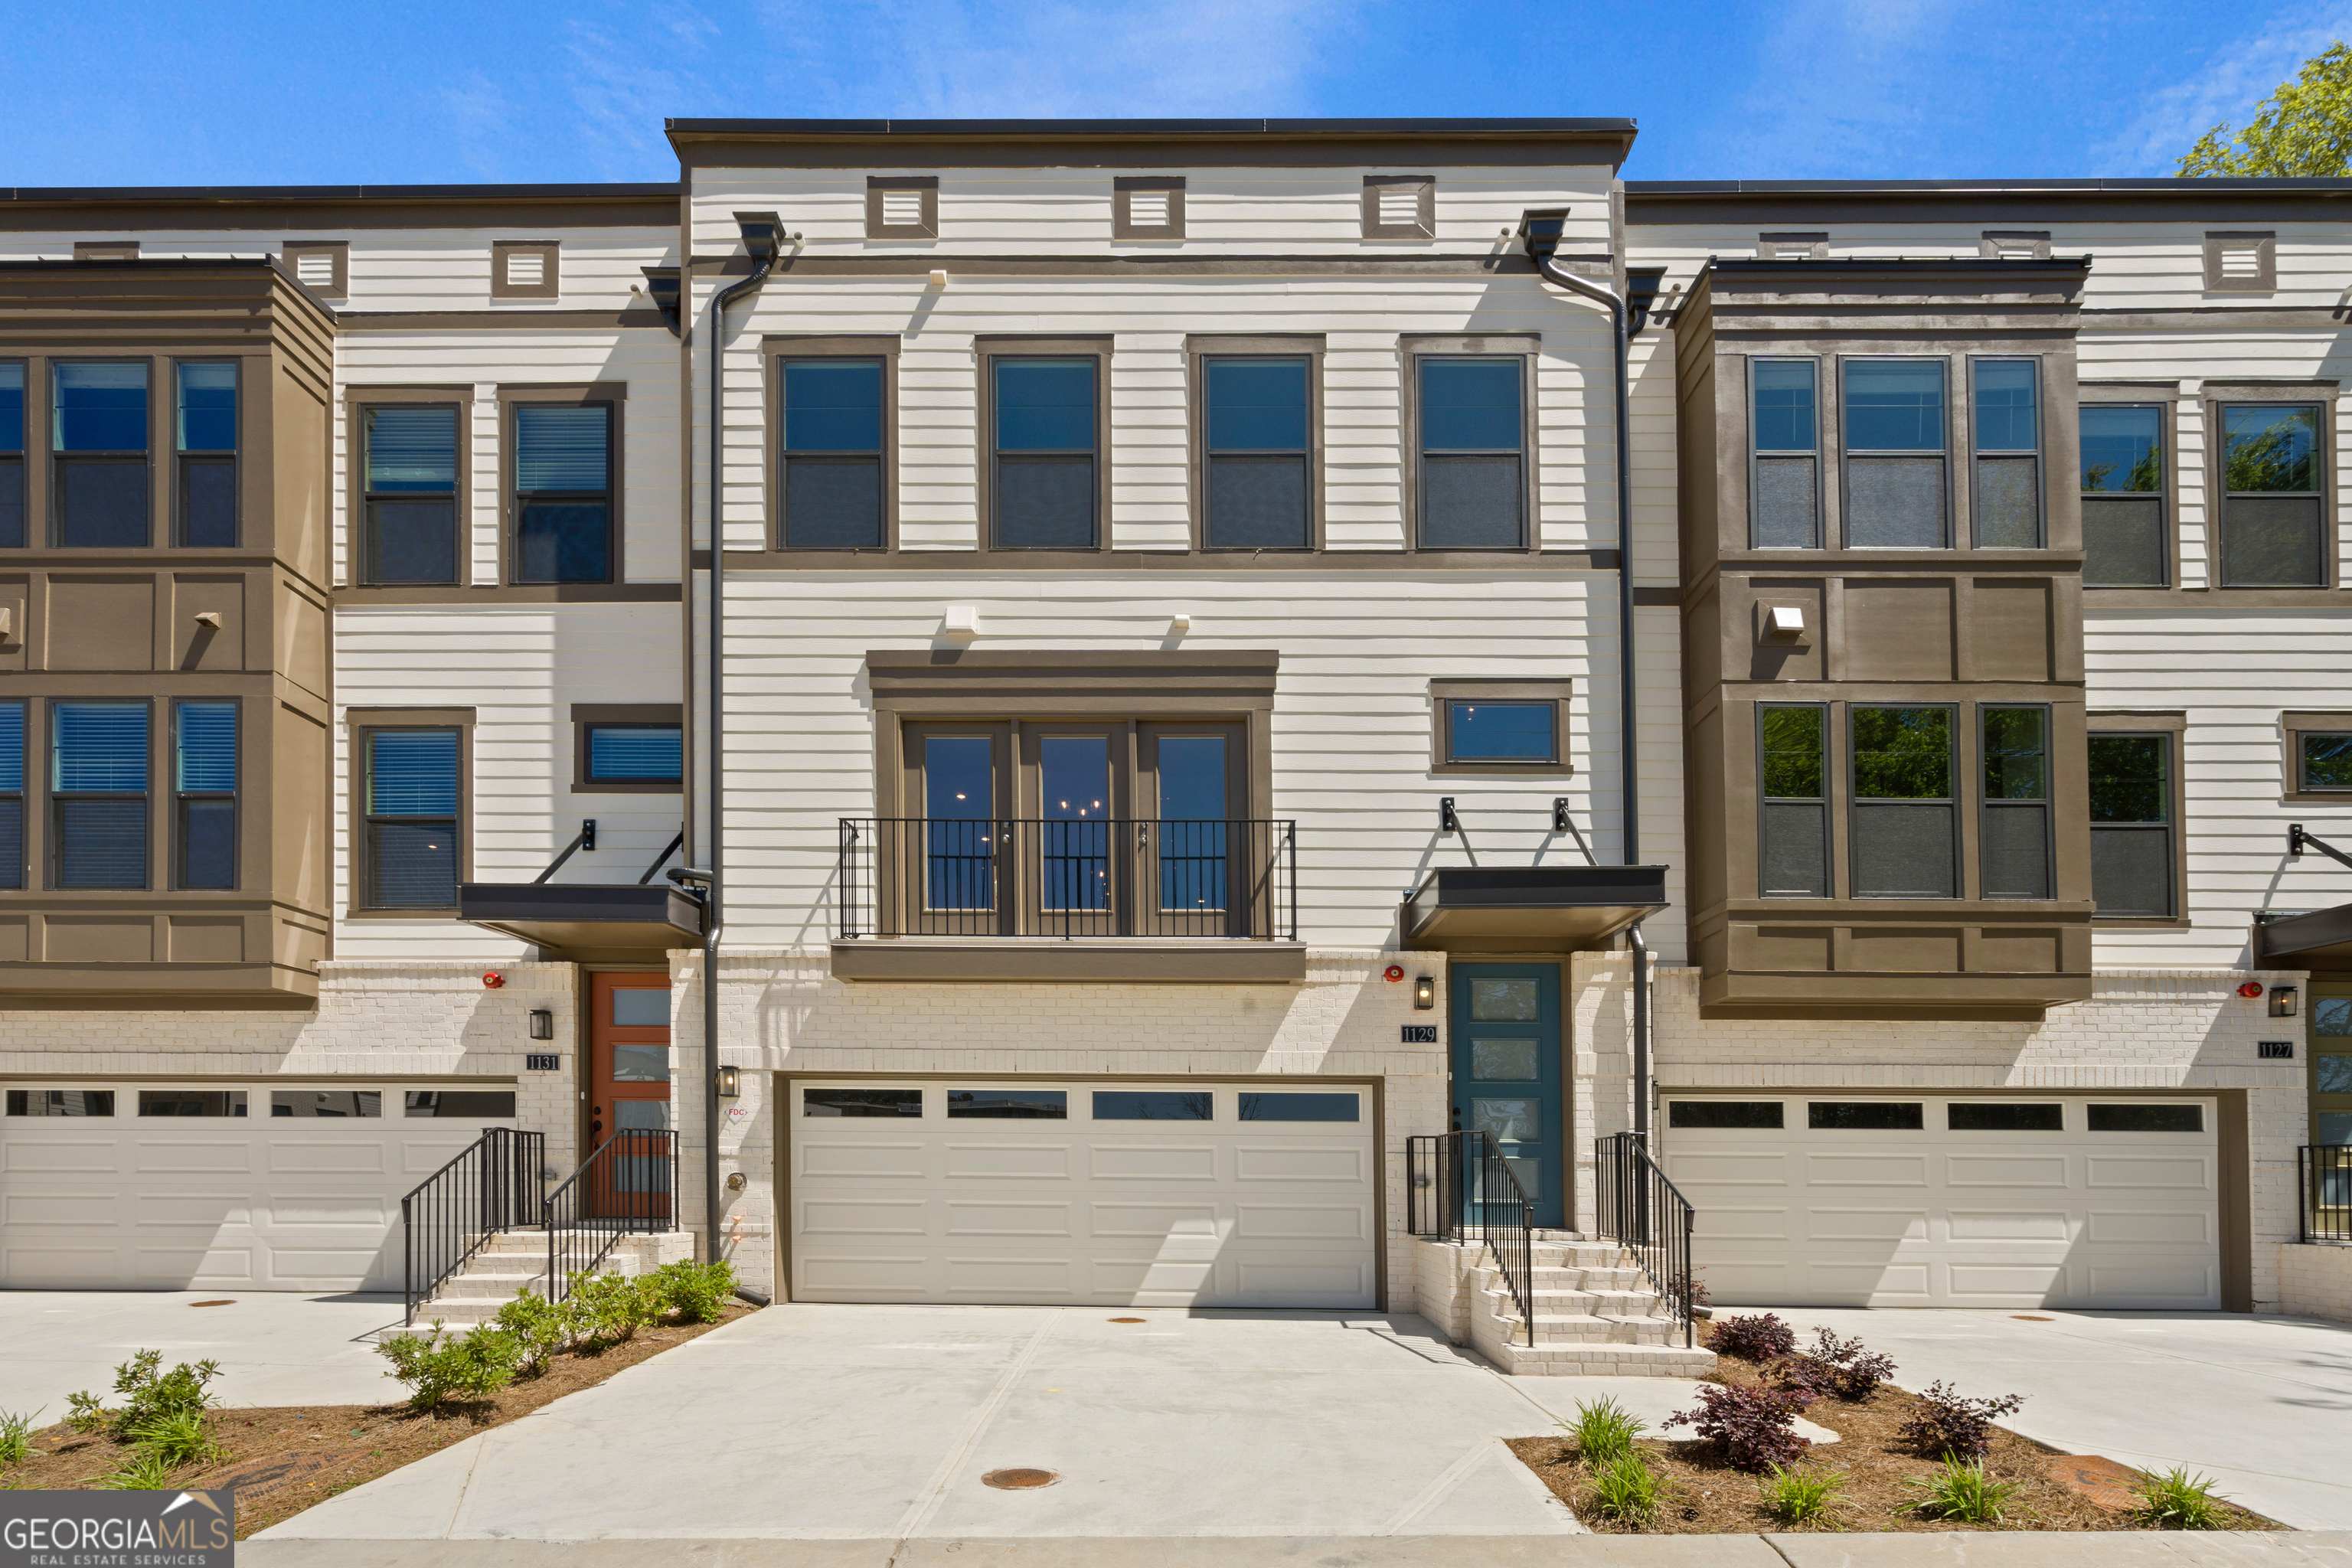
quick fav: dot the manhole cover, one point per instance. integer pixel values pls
(2030, 1318)
(212, 1303)
(1127, 1319)
(1018, 1480)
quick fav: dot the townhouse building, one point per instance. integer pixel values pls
(1045, 705)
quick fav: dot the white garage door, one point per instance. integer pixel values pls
(1178, 1194)
(1951, 1201)
(131, 1186)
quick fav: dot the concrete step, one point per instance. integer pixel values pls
(1585, 1328)
(496, 1285)
(1599, 1360)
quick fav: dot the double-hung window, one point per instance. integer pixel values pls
(1894, 426)
(12, 794)
(203, 784)
(1792, 857)
(1905, 819)
(2132, 844)
(411, 783)
(411, 494)
(2125, 541)
(205, 432)
(98, 788)
(1472, 438)
(1785, 490)
(1260, 469)
(12, 455)
(2273, 513)
(2015, 833)
(1045, 476)
(2007, 430)
(563, 492)
(833, 454)
(99, 432)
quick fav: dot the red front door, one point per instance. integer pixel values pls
(628, 1094)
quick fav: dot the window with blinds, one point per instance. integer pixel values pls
(634, 754)
(204, 430)
(99, 434)
(2132, 846)
(1473, 452)
(98, 794)
(410, 789)
(1044, 436)
(12, 794)
(2126, 542)
(409, 494)
(1894, 432)
(833, 454)
(2007, 432)
(1784, 496)
(203, 784)
(563, 493)
(1256, 451)
(12, 455)
(2274, 510)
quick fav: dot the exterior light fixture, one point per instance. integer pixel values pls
(1446, 821)
(729, 1083)
(1424, 992)
(1559, 823)
(543, 1024)
(2283, 999)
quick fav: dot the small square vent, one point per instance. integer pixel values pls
(1400, 205)
(316, 268)
(902, 209)
(1147, 209)
(526, 268)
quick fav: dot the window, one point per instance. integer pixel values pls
(1785, 492)
(1904, 818)
(470, 1103)
(203, 785)
(861, 1102)
(1009, 1104)
(902, 206)
(833, 454)
(1895, 445)
(12, 794)
(99, 436)
(205, 432)
(1865, 1116)
(1792, 859)
(633, 754)
(191, 1102)
(2148, 1118)
(2240, 262)
(1298, 1107)
(1399, 206)
(2273, 534)
(1258, 453)
(409, 494)
(1754, 1114)
(1046, 481)
(61, 1103)
(2323, 760)
(1147, 206)
(2007, 428)
(330, 1104)
(2050, 1117)
(2126, 543)
(2015, 824)
(524, 270)
(1490, 732)
(12, 455)
(98, 790)
(411, 792)
(2131, 793)
(563, 492)
(1473, 452)
(1154, 1105)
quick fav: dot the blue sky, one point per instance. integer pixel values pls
(137, 92)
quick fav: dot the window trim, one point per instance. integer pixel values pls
(53, 841)
(159, 516)
(1199, 349)
(929, 228)
(1957, 780)
(1831, 731)
(1987, 804)
(550, 286)
(1424, 224)
(774, 349)
(615, 395)
(352, 541)
(2215, 398)
(1820, 428)
(2174, 727)
(2164, 398)
(1122, 188)
(177, 505)
(1847, 451)
(2292, 722)
(1525, 347)
(586, 716)
(339, 288)
(989, 350)
(1560, 694)
(236, 798)
(2040, 452)
(358, 723)
(2265, 278)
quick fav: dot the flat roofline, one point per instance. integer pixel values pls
(1157, 130)
(2185, 186)
(284, 196)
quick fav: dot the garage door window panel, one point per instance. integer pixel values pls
(862, 1102)
(2274, 528)
(480, 1104)
(1865, 1116)
(1266, 1107)
(1969, 1118)
(1009, 1104)
(98, 783)
(326, 1104)
(1792, 827)
(1154, 1105)
(2131, 844)
(1748, 1115)
(1895, 429)
(191, 1102)
(84, 1103)
(1904, 813)
(2127, 541)
(2147, 1118)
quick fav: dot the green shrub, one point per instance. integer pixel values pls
(695, 1293)
(16, 1435)
(1800, 1496)
(540, 1329)
(2179, 1501)
(146, 1396)
(179, 1437)
(1626, 1489)
(609, 1308)
(1962, 1490)
(145, 1471)
(440, 1367)
(1603, 1431)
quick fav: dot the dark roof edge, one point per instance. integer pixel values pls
(1098, 130)
(288, 195)
(1670, 190)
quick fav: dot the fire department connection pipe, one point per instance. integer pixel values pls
(1540, 232)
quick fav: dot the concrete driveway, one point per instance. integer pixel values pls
(2264, 1405)
(274, 1349)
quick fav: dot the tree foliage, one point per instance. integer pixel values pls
(2304, 128)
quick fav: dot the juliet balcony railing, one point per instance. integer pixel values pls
(1015, 876)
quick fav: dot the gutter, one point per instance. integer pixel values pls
(1540, 232)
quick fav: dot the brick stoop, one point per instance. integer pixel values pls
(1595, 1314)
(516, 1260)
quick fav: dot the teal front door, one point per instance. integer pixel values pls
(1506, 1071)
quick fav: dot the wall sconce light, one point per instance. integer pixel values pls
(729, 1083)
(543, 1024)
(2283, 1001)
(1446, 821)
(1424, 992)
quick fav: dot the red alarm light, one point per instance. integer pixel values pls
(493, 979)
(2250, 989)
(1393, 974)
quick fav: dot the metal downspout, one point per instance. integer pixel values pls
(1628, 749)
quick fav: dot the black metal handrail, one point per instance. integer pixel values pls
(2326, 1185)
(492, 1186)
(916, 876)
(627, 1187)
(1460, 1188)
(1638, 1208)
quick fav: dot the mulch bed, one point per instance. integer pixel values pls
(282, 1459)
(1706, 1496)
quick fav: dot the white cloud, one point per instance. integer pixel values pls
(484, 118)
(2237, 77)
(1839, 84)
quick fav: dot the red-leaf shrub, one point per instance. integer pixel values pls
(1946, 1424)
(1758, 1338)
(1753, 1428)
(1837, 1367)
